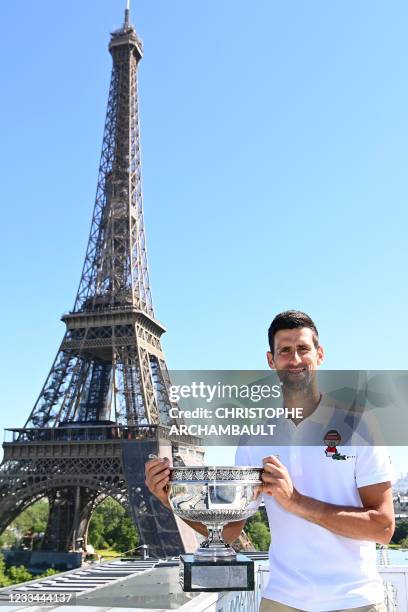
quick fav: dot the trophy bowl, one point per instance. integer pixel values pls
(215, 496)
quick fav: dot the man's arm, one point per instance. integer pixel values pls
(232, 531)
(157, 477)
(374, 521)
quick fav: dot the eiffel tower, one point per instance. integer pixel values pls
(105, 404)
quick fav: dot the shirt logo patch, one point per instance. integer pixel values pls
(332, 439)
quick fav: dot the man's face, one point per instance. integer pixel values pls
(295, 357)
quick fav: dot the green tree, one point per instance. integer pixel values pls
(257, 529)
(401, 532)
(32, 521)
(259, 535)
(96, 531)
(124, 536)
(112, 527)
(13, 575)
(19, 574)
(8, 538)
(49, 572)
(34, 518)
(4, 579)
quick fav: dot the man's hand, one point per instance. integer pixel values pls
(278, 483)
(157, 476)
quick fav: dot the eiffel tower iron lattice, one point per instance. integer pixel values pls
(105, 403)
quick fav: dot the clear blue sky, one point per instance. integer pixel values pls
(274, 147)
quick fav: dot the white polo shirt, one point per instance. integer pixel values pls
(312, 568)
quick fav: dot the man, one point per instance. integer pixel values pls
(325, 514)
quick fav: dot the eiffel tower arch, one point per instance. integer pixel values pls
(105, 404)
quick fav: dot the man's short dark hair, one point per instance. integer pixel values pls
(291, 319)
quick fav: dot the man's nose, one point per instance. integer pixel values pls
(295, 358)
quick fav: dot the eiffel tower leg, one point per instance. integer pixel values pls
(16, 494)
(70, 512)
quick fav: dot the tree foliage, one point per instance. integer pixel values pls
(16, 574)
(112, 527)
(257, 529)
(33, 519)
(31, 522)
(403, 543)
(259, 535)
(400, 533)
(4, 579)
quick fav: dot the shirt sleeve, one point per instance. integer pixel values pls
(243, 456)
(373, 465)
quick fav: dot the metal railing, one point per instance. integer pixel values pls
(95, 433)
(81, 433)
(143, 547)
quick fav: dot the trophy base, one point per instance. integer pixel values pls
(236, 574)
(215, 552)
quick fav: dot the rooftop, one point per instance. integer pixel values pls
(130, 584)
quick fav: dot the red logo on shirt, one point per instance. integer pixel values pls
(332, 439)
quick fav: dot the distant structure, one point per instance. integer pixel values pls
(401, 486)
(105, 403)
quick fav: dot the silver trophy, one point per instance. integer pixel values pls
(215, 496)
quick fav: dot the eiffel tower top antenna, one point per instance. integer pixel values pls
(127, 15)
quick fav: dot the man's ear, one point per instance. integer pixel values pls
(271, 362)
(320, 355)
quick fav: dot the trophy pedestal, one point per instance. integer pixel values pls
(230, 575)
